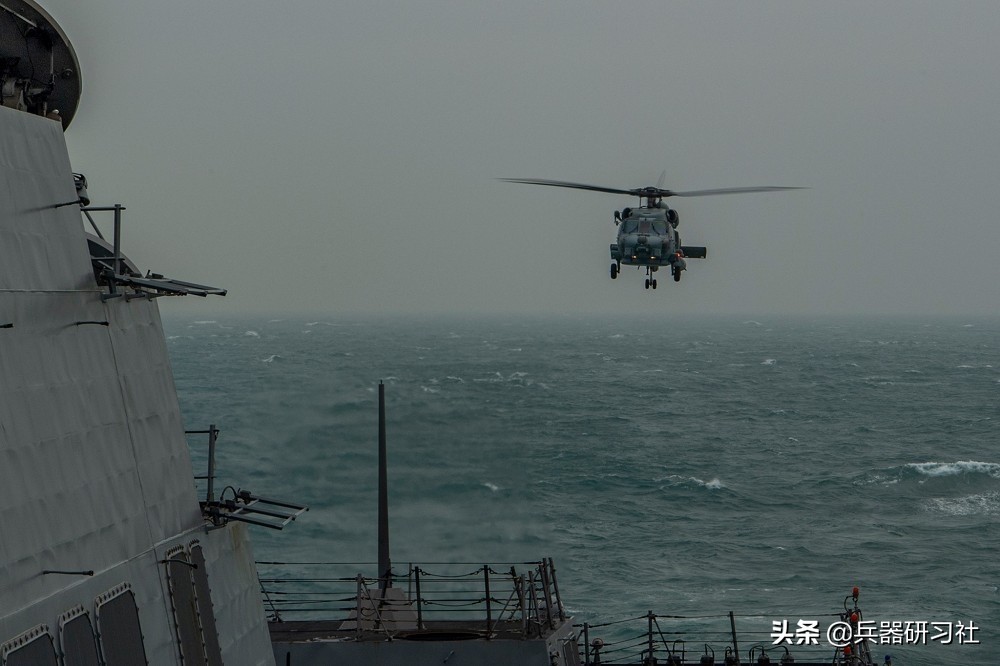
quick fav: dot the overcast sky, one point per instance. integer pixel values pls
(342, 157)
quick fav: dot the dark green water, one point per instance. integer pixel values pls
(687, 467)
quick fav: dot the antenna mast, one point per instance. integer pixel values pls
(384, 565)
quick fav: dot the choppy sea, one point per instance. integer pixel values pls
(690, 467)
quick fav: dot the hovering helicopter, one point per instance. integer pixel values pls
(647, 235)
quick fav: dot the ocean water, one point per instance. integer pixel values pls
(690, 467)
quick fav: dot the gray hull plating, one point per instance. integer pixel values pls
(95, 474)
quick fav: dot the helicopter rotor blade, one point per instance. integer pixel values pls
(727, 190)
(648, 192)
(561, 183)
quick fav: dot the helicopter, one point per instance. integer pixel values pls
(647, 235)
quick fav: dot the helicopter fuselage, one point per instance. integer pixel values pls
(647, 237)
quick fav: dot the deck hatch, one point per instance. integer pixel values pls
(183, 601)
(32, 648)
(76, 635)
(206, 612)
(118, 628)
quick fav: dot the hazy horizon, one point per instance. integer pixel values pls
(343, 157)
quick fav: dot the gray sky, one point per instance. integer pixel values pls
(341, 157)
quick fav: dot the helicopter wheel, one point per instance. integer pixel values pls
(614, 271)
(647, 283)
(652, 283)
(677, 275)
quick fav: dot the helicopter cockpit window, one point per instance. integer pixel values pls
(660, 227)
(645, 226)
(631, 226)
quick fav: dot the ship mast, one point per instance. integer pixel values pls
(384, 565)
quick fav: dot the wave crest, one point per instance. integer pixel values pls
(933, 469)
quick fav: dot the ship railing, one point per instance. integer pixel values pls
(673, 640)
(115, 271)
(237, 503)
(209, 476)
(512, 599)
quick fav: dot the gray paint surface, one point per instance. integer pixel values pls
(95, 473)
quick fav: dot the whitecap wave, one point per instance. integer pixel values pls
(970, 505)
(769, 361)
(934, 469)
(516, 378)
(712, 484)
(251, 334)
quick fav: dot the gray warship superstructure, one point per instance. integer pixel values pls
(109, 555)
(106, 555)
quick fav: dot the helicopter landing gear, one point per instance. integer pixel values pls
(614, 271)
(677, 274)
(650, 280)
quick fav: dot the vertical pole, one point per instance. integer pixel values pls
(117, 249)
(732, 627)
(212, 434)
(420, 608)
(118, 239)
(489, 614)
(519, 585)
(555, 588)
(543, 573)
(586, 644)
(534, 601)
(649, 637)
(357, 609)
(384, 565)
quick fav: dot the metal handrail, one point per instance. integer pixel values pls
(525, 603)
